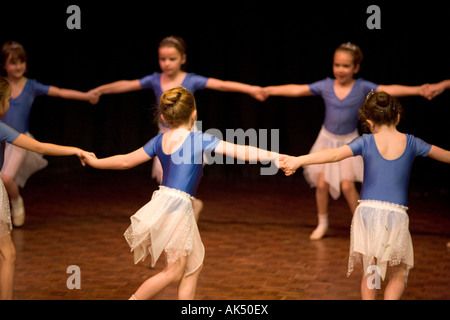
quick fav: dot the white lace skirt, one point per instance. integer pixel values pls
(20, 164)
(348, 169)
(380, 236)
(5, 214)
(166, 223)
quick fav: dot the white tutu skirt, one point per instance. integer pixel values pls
(166, 223)
(348, 169)
(5, 214)
(20, 164)
(380, 236)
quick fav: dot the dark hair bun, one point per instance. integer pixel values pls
(382, 100)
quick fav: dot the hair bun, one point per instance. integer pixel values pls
(170, 98)
(382, 100)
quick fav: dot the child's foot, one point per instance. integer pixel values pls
(17, 212)
(321, 229)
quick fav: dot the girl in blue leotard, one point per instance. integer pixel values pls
(172, 59)
(167, 223)
(20, 164)
(380, 239)
(12, 136)
(343, 96)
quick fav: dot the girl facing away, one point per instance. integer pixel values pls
(10, 135)
(172, 59)
(380, 239)
(343, 96)
(166, 225)
(20, 164)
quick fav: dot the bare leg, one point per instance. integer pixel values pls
(7, 267)
(173, 273)
(11, 187)
(367, 293)
(397, 283)
(322, 197)
(197, 204)
(350, 193)
(17, 206)
(188, 286)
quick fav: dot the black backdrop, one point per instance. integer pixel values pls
(255, 42)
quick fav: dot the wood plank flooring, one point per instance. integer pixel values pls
(255, 231)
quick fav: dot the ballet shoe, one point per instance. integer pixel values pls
(321, 228)
(18, 212)
(318, 233)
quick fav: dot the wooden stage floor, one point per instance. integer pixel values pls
(255, 231)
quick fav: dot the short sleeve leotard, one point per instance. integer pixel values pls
(18, 115)
(387, 180)
(7, 134)
(183, 168)
(341, 116)
(192, 82)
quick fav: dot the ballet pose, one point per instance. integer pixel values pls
(380, 238)
(10, 135)
(20, 164)
(343, 96)
(167, 223)
(172, 59)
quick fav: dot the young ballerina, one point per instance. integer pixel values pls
(167, 223)
(172, 59)
(343, 97)
(9, 135)
(20, 164)
(380, 238)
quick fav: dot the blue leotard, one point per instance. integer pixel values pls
(7, 134)
(18, 115)
(387, 180)
(183, 168)
(341, 116)
(192, 82)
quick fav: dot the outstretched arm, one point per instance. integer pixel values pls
(397, 90)
(439, 154)
(120, 86)
(48, 149)
(231, 86)
(289, 90)
(290, 164)
(92, 97)
(118, 162)
(246, 153)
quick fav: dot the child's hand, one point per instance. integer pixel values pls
(426, 91)
(86, 157)
(436, 89)
(288, 164)
(94, 96)
(259, 93)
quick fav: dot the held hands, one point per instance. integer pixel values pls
(258, 93)
(289, 164)
(93, 96)
(430, 91)
(436, 89)
(86, 157)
